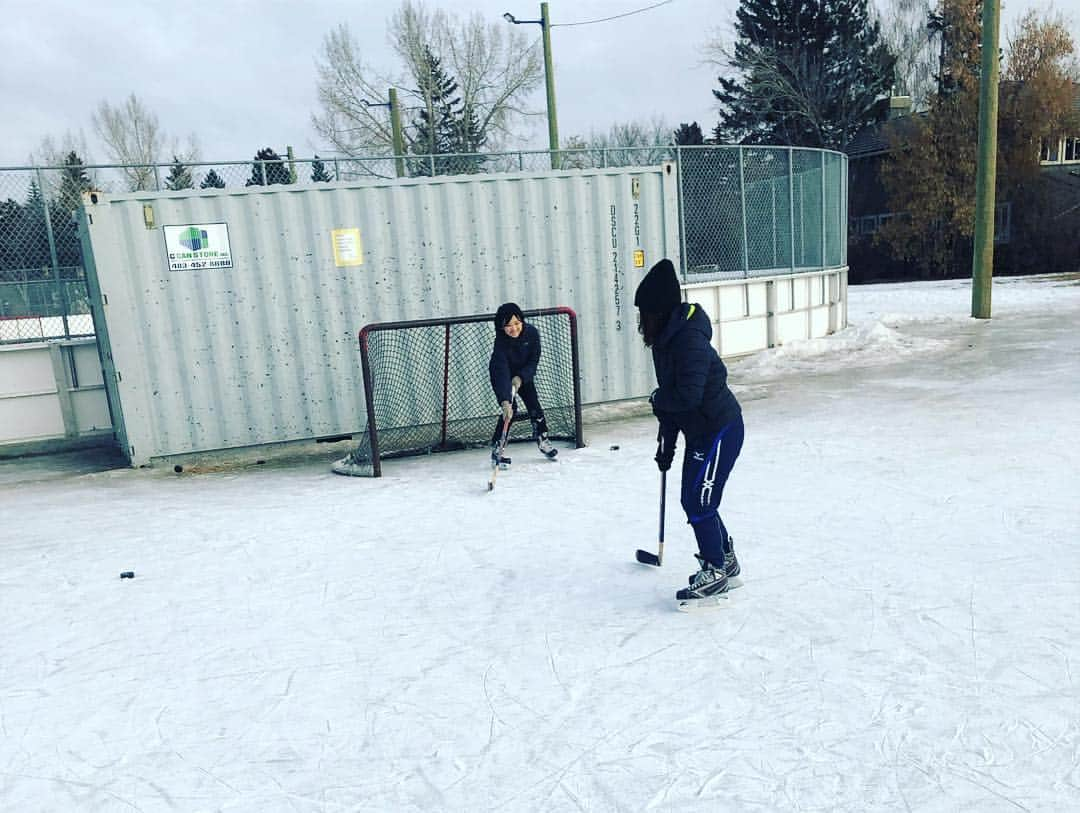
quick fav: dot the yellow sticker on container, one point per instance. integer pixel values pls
(639, 258)
(348, 247)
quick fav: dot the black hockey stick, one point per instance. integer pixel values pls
(502, 441)
(657, 558)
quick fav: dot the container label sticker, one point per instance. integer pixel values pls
(348, 247)
(198, 246)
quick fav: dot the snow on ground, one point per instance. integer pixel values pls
(905, 510)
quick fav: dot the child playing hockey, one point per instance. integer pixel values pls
(513, 368)
(692, 396)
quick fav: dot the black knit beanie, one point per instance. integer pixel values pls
(659, 292)
(505, 313)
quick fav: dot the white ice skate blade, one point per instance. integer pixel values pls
(696, 605)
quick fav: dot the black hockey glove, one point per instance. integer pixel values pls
(665, 450)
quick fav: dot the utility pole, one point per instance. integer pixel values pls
(982, 264)
(549, 77)
(395, 128)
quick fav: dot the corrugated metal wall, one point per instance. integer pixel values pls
(266, 351)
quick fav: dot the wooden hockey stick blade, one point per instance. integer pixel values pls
(647, 558)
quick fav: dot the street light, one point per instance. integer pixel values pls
(549, 75)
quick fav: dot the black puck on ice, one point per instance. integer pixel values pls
(614, 448)
(128, 574)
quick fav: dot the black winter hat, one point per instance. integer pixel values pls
(659, 292)
(505, 313)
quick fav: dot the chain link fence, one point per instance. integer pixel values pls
(744, 211)
(42, 282)
(756, 211)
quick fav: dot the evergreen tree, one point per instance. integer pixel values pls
(11, 229)
(33, 235)
(212, 181)
(73, 182)
(268, 169)
(442, 126)
(804, 73)
(62, 210)
(467, 139)
(34, 199)
(318, 172)
(179, 176)
(689, 135)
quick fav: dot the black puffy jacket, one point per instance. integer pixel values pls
(510, 357)
(692, 394)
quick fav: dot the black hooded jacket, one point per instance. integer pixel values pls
(692, 393)
(510, 357)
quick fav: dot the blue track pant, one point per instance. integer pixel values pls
(705, 470)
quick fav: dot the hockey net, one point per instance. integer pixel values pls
(427, 389)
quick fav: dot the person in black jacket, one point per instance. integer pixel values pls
(692, 396)
(512, 367)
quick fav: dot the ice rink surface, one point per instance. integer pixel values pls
(905, 510)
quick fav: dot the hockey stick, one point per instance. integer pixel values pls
(657, 558)
(503, 440)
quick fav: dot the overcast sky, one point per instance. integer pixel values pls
(241, 75)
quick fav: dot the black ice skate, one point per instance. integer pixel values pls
(707, 587)
(498, 459)
(731, 563)
(545, 447)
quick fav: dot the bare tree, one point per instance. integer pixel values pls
(630, 143)
(51, 151)
(494, 65)
(132, 136)
(346, 89)
(916, 46)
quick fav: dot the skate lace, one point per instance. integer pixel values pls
(707, 575)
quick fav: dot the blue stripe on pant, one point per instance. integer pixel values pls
(705, 470)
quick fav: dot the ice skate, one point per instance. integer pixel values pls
(710, 580)
(708, 587)
(498, 459)
(731, 569)
(731, 563)
(545, 447)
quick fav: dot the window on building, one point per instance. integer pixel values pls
(1048, 151)
(1072, 149)
(1002, 222)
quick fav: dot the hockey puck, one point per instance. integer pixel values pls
(128, 574)
(614, 448)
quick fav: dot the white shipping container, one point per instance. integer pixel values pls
(229, 318)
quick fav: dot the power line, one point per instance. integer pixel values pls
(616, 17)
